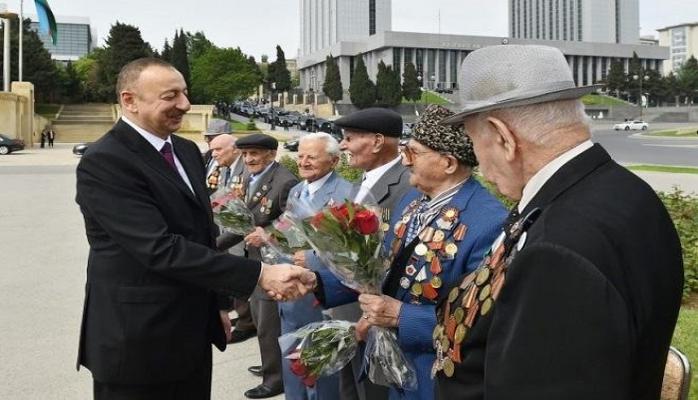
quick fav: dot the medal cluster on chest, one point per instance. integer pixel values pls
(437, 245)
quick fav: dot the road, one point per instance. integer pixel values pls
(634, 148)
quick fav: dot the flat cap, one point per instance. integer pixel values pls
(443, 138)
(257, 141)
(375, 120)
(217, 127)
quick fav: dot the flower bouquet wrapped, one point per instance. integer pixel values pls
(348, 239)
(283, 240)
(231, 213)
(319, 349)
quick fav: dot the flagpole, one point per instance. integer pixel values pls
(21, 42)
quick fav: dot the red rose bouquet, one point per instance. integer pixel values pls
(348, 239)
(231, 213)
(319, 349)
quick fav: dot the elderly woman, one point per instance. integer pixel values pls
(439, 230)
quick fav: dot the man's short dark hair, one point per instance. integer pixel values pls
(130, 72)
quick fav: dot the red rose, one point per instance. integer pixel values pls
(298, 368)
(309, 381)
(317, 219)
(341, 212)
(366, 222)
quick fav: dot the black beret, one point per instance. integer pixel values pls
(375, 120)
(258, 141)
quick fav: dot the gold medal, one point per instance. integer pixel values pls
(438, 331)
(482, 276)
(485, 292)
(427, 234)
(449, 367)
(453, 295)
(486, 306)
(451, 249)
(439, 236)
(436, 282)
(421, 249)
(406, 218)
(460, 334)
(385, 226)
(428, 257)
(445, 343)
(459, 314)
(416, 289)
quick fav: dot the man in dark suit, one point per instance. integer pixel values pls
(265, 186)
(371, 138)
(579, 298)
(153, 275)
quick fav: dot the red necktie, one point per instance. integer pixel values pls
(166, 152)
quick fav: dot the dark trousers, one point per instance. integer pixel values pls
(244, 321)
(265, 314)
(197, 386)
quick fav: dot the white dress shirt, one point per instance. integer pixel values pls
(314, 186)
(537, 181)
(157, 143)
(371, 177)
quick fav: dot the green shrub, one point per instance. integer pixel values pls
(347, 172)
(290, 163)
(683, 209)
(251, 125)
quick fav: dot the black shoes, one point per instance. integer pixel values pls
(255, 370)
(262, 392)
(240, 336)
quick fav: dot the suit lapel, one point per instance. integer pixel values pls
(191, 162)
(381, 190)
(152, 157)
(323, 196)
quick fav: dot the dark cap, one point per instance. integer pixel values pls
(443, 138)
(375, 120)
(257, 141)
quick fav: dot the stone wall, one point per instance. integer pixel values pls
(17, 112)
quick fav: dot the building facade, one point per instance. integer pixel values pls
(326, 22)
(682, 41)
(437, 58)
(75, 38)
(599, 21)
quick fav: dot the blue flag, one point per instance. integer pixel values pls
(47, 22)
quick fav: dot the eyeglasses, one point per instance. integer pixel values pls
(410, 154)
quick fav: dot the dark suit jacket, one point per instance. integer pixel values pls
(150, 311)
(390, 188)
(590, 302)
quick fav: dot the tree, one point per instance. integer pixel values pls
(71, 84)
(123, 45)
(615, 80)
(258, 72)
(166, 54)
(333, 81)
(688, 79)
(223, 74)
(278, 72)
(388, 90)
(38, 68)
(410, 84)
(197, 44)
(362, 91)
(180, 57)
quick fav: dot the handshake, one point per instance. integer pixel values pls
(284, 282)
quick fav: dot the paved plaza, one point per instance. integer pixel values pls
(42, 276)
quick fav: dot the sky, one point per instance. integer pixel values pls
(258, 26)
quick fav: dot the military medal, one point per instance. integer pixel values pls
(410, 270)
(404, 282)
(420, 249)
(459, 233)
(439, 236)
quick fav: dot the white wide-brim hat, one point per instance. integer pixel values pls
(514, 75)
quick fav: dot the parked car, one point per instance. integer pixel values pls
(8, 145)
(291, 145)
(635, 125)
(80, 148)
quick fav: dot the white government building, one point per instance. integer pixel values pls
(591, 34)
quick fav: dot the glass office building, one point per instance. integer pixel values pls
(75, 38)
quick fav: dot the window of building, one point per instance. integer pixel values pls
(579, 20)
(442, 67)
(571, 16)
(408, 56)
(537, 19)
(454, 68)
(617, 21)
(564, 19)
(550, 19)
(397, 64)
(371, 17)
(419, 63)
(557, 19)
(431, 66)
(525, 18)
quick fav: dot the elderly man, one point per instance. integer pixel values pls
(318, 155)
(371, 138)
(440, 230)
(150, 313)
(265, 186)
(579, 298)
(215, 128)
(227, 157)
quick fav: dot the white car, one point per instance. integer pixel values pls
(634, 125)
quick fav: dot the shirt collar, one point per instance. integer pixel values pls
(316, 185)
(154, 140)
(537, 181)
(372, 176)
(259, 175)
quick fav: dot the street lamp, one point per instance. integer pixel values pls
(419, 78)
(6, 16)
(271, 104)
(639, 100)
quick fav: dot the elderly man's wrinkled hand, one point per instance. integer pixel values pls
(380, 310)
(256, 238)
